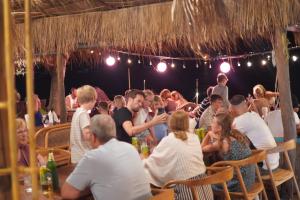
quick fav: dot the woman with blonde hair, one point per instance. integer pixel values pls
(178, 156)
(22, 142)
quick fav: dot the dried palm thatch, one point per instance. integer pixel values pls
(140, 29)
(196, 23)
(218, 23)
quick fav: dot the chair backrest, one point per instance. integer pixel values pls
(41, 134)
(218, 175)
(284, 146)
(162, 194)
(256, 157)
(58, 137)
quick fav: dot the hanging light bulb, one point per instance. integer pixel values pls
(172, 65)
(249, 64)
(269, 57)
(150, 63)
(118, 58)
(238, 64)
(209, 66)
(183, 66)
(161, 67)
(263, 62)
(110, 61)
(139, 61)
(294, 58)
(129, 61)
(225, 67)
(197, 65)
(92, 51)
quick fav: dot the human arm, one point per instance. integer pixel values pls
(84, 123)
(68, 103)
(132, 130)
(77, 184)
(208, 146)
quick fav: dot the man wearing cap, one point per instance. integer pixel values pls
(254, 127)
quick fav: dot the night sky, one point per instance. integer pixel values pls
(113, 80)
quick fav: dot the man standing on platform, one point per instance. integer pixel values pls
(124, 117)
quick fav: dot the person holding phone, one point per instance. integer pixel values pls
(160, 130)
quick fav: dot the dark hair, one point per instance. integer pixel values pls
(237, 100)
(133, 93)
(209, 90)
(215, 97)
(295, 101)
(103, 105)
(225, 121)
(221, 77)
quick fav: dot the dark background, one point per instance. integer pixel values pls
(113, 80)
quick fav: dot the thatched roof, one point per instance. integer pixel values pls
(197, 23)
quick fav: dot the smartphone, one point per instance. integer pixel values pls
(160, 111)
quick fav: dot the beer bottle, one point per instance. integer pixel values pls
(51, 165)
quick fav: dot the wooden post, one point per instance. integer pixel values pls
(289, 126)
(5, 186)
(57, 69)
(61, 61)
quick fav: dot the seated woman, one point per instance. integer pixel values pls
(23, 147)
(178, 156)
(234, 146)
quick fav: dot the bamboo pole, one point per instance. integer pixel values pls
(288, 120)
(129, 82)
(30, 97)
(11, 101)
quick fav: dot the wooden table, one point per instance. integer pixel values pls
(63, 173)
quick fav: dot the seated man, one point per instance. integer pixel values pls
(274, 120)
(216, 102)
(254, 127)
(112, 170)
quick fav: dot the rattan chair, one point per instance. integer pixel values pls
(216, 175)
(280, 175)
(258, 186)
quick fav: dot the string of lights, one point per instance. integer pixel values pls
(164, 61)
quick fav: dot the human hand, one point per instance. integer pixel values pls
(159, 119)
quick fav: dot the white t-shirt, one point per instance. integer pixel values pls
(254, 127)
(79, 147)
(112, 171)
(274, 121)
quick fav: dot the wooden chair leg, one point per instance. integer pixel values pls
(277, 196)
(227, 196)
(296, 186)
(265, 194)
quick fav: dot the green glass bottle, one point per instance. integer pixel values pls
(51, 165)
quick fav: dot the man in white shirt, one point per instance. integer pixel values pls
(274, 121)
(112, 170)
(254, 127)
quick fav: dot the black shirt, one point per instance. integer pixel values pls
(120, 116)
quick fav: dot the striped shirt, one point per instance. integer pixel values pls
(79, 147)
(174, 159)
(202, 106)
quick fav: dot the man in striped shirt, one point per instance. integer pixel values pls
(205, 103)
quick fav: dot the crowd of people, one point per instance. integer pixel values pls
(102, 132)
